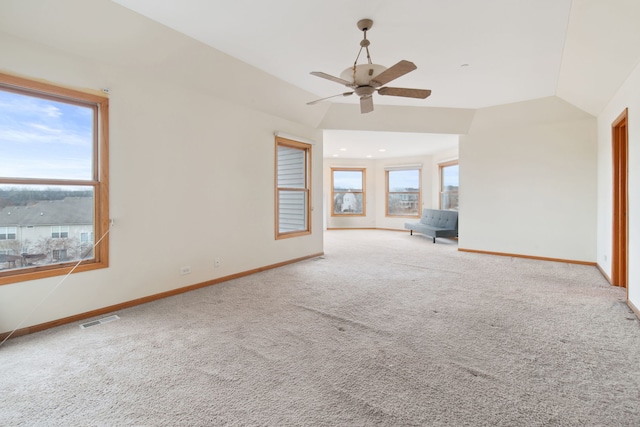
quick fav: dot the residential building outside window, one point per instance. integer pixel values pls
(348, 191)
(53, 179)
(8, 233)
(403, 192)
(59, 232)
(86, 237)
(449, 185)
(293, 188)
(59, 254)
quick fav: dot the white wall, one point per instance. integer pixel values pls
(191, 173)
(395, 118)
(627, 96)
(528, 181)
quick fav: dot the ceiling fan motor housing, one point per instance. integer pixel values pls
(364, 91)
(364, 73)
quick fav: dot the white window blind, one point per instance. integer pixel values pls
(403, 167)
(291, 167)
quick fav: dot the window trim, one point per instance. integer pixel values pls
(284, 142)
(441, 191)
(387, 192)
(59, 230)
(7, 233)
(364, 192)
(100, 181)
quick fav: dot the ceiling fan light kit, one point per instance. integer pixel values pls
(366, 79)
(363, 73)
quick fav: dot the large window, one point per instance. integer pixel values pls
(403, 192)
(293, 192)
(53, 179)
(348, 191)
(449, 185)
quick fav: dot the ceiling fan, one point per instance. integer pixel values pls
(365, 79)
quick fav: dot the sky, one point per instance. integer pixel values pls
(40, 138)
(450, 175)
(350, 180)
(400, 180)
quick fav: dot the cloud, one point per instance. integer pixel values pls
(28, 106)
(44, 138)
(25, 119)
(34, 134)
(52, 111)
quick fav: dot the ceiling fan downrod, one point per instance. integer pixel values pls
(364, 25)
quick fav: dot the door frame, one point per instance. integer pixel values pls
(620, 232)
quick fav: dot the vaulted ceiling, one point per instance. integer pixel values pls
(470, 53)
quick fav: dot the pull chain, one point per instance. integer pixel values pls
(54, 288)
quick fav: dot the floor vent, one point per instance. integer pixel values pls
(99, 321)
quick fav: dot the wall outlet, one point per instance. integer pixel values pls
(185, 270)
(216, 263)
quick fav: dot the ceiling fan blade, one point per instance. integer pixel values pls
(392, 73)
(406, 92)
(332, 78)
(366, 104)
(329, 97)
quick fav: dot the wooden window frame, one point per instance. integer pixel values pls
(387, 193)
(441, 167)
(284, 142)
(99, 181)
(364, 192)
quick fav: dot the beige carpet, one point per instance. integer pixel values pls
(386, 329)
